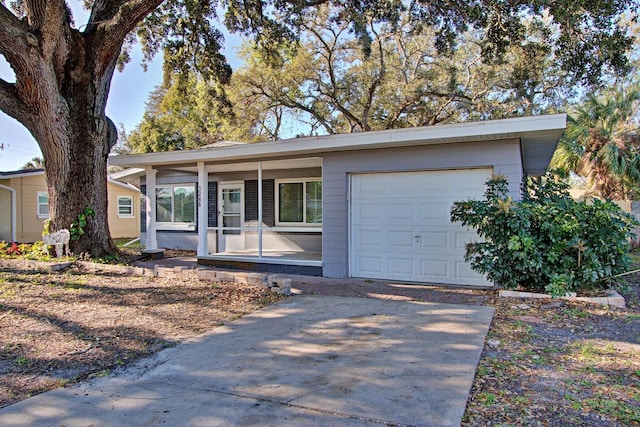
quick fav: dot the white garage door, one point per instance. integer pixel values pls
(400, 226)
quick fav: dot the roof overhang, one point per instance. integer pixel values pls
(36, 172)
(23, 173)
(538, 136)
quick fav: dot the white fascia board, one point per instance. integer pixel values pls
(9, 175)
(439, 134)
(123, 185)
(126, 172)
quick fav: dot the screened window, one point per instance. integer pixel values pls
(43, 204)
(125, 206)
(176, 204)
(300, 202)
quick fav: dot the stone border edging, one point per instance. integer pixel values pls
(52, 266)
(612, 298)
(273, 282)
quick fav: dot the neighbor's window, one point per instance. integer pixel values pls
(125, 207)
(43, 204)
(176, 204)
(300, 201)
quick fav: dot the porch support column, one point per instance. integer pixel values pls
(203, 209)
(260, 210)
(151, 241)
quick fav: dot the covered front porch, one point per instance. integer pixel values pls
(252, 215)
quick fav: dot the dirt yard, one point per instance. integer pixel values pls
(65, 327)
(557, 363)
(545, 362)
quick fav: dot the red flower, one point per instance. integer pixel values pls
(13, 249)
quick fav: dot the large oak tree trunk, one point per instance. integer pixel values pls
(63, 77)
(77, 178)
(75, 143)
(75, 137)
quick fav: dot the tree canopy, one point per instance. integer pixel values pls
(34, 163)
(329, 83)
(63, 70)
(602, 142)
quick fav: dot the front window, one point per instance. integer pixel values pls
(176, 204)
(125, 206)
(300, 202)
(43, 204)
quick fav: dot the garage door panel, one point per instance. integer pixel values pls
(401, 266)
(462, 238)
(434, 268)
(400, 238)
(370, 238)
(400, 211)
(400, 226)
(434, 210)
(369, 211)
(434, 240)
(464, 271)
(371, 265)
(369, 186)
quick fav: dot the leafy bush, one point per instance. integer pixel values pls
(547, 242)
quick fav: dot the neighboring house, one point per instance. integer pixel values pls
(371, 204)
(24, 205)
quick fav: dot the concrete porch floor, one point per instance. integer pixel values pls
(288, 262)
(279, 256)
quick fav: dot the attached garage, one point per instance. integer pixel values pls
(400, 228)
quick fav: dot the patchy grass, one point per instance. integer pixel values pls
(120, 243)
(558, 363)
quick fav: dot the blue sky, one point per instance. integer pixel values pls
(126, 103)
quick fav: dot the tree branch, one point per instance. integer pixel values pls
(52, 21)
(116, 18)
(106, 30)
(11, 104)
(371, 92)
(15, 37)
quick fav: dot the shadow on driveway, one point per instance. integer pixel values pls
(308, 361)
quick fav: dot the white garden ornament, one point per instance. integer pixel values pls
(59, 239)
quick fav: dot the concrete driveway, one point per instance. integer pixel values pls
(307, 361)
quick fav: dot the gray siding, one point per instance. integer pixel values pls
(251, 202)
(212, 204)
(503, 156)
(267, 174)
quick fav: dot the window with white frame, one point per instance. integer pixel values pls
(299, 201)
(125, 207)
(43, 204)
(176, 204)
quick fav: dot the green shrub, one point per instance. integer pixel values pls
(547, 242)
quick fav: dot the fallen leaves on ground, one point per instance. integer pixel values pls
(64, 327)
(545, 362)
(558, 363)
